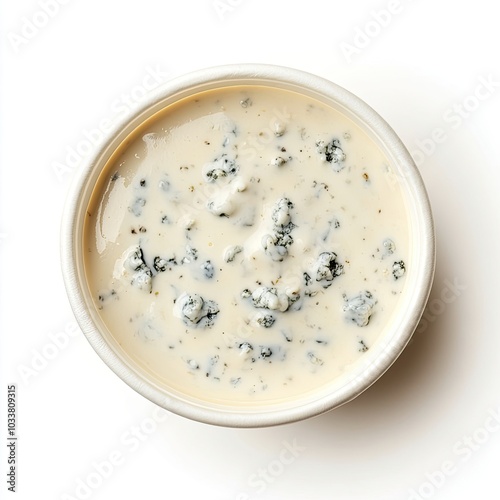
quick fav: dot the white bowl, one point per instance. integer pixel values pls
(374, 363)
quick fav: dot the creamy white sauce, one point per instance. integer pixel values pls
(247, 245)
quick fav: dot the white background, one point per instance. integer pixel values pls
(427, 429)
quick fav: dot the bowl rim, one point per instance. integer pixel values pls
(239, 73)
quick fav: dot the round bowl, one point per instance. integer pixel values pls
(361, 375)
